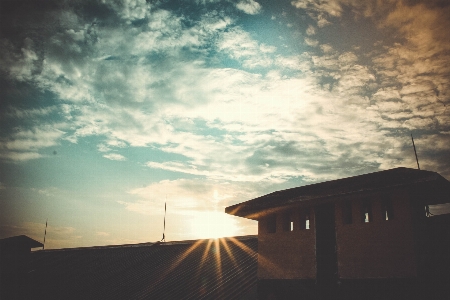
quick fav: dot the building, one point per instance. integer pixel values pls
(199, 269)
(15, 255)
(362, 237)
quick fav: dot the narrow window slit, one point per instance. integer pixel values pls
(366, 211)
(387, 211)
(304, 218)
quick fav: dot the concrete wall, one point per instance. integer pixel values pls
(287, 255)
(378, 249)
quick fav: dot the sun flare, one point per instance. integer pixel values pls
(213, 225)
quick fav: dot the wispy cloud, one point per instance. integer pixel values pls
(115, 156)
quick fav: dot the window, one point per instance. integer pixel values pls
(347, 217)
(287, 222)
(386, 210)
(271, 223)
(304, 218)
(366, 210)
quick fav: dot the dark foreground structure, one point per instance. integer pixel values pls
(14, 265)
(201, 269)
(362, 237)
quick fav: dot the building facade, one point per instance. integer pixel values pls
(364, 236)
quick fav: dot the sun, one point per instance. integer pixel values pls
(213, 224)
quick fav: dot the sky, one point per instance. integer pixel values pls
(109, 109)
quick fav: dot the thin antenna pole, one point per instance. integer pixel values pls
(45, 234)
(414, 146)
(164, 230)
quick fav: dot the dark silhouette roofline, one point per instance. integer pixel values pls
(332, 190)
(20, 240)
(224, 268)
(152, 244)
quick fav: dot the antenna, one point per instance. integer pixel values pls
(45, 233)
(165, 210)
(414, 146)
(427, 207)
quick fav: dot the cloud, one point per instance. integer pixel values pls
(239, 45)
(187, 194)
(130, 10)
(250, 7)
(311, 30)
(115, 156)
(135, 86)
(19, 65)
(331, 7)
(19, 156)
(311, 42)
(24, 144)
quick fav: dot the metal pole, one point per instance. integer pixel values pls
(45, 234)
(414, 146)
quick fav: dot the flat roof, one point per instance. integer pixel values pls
(224, 268)
(336, 189)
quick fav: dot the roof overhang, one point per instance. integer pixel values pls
(432, 186)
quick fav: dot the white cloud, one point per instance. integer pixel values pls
(311, 30)
(132, 102)
(326, 48)
(250, 7)
(311, 42)
(103, 148)
(331, 7)
(130, 9)
(24, 144)
(115, 156)
(20, 66)
(19, 156)
(33, 139)
(239, 45)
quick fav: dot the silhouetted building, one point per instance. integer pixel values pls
(14, 265)
(199, 269)
(362, 237)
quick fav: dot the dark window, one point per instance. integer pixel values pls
(347, 212)
(366, 210)
(286, 222)
(304, 218)
(386, 209)
(271, 223)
